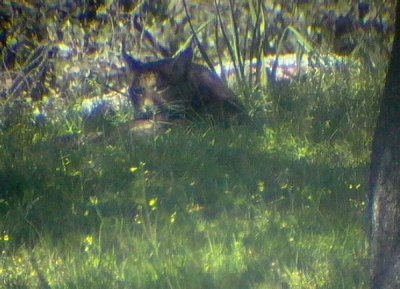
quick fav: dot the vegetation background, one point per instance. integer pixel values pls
(88, 201)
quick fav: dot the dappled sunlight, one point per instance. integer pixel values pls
(98, 193)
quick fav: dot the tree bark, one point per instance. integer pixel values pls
(385, 178)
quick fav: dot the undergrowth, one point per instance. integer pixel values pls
(279, 202)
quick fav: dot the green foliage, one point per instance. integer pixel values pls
(261, 205)
(96, 201)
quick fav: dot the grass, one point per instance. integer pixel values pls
(276, 203)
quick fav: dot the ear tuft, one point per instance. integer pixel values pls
(134, 64)
(182, 62)
(186, 57)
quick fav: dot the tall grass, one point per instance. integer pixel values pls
(261, 205)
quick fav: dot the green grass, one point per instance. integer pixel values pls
(276, 203)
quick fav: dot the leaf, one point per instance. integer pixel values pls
(307, 46)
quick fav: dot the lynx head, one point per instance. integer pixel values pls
(160, 86)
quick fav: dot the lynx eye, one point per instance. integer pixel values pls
(137, 91)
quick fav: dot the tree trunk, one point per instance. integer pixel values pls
(385, 178)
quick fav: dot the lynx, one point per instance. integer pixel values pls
(176, 88)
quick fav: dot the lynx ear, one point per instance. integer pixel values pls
(134, 64)
(183, 61)
(185, 58)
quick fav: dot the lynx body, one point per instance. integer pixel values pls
(174, 88)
